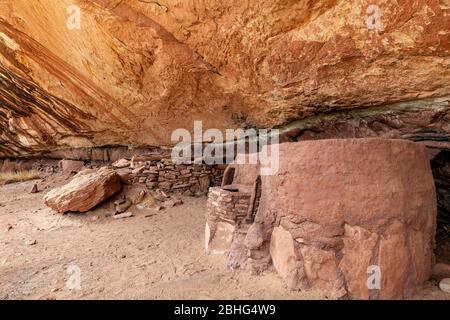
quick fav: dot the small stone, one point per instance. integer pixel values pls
(122, 205)
(181, 185)
(169, 176)
(185, 172)
(123, 215)
(142, 180)
(160, 195)
(163, 194)
(137, 162)
(139, 197)
(138, 170)
(173, 202)
(151, 185)
(8, 227)
(198, 194)
(54, 289)
(34, 189)
(152, 177)
(122, 163)
(30, 242)
(444, 285)
(165, 185)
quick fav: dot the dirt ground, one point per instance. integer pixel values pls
(156, 257)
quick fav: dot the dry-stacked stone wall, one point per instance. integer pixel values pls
(226, 211)
(230, 206)
(168, 176)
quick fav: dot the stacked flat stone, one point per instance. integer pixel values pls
(225, 212)
(167, 176)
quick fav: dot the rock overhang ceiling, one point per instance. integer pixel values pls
(137, 70)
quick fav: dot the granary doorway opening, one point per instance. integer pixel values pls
(228, 176)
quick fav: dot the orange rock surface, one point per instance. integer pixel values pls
(137, 70)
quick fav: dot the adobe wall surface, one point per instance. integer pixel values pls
(346, 205)
(340, 211)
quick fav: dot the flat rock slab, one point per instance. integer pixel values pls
(123, 215)
(86, 190)
(218, 241)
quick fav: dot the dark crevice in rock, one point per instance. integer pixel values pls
(254, 201)
(441, 173)
(419, 120)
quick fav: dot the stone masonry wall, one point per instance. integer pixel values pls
(165, 175)
(226, 211)
(227, 205)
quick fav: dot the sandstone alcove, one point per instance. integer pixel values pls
(88, 84)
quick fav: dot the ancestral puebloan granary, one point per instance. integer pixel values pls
(326, 219)
(118, 86)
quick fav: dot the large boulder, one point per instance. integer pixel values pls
(86, 190)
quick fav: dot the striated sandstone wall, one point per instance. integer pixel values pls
(137, 70)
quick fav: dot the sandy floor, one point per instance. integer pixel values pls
(157, 257)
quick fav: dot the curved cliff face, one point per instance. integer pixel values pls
(138, 69)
